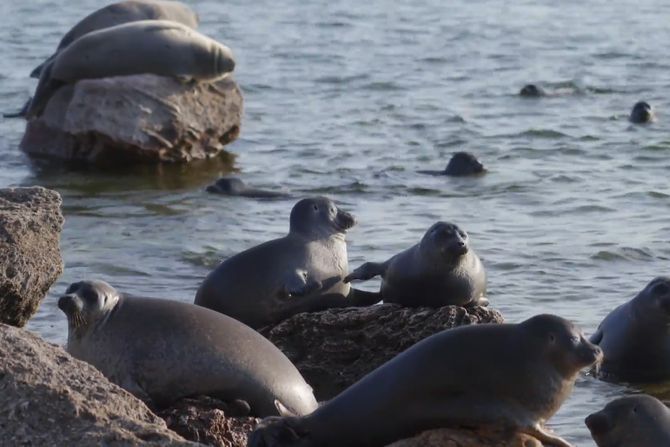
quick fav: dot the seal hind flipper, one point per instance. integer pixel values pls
(363, 298)
(276, 432)
(21, 113)
(545, 437)
(44, 91)
(367, 271)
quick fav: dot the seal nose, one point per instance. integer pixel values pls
(597, 423)
(345, 220)
(68, 304)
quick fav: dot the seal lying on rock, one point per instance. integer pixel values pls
(505, 376)
(159, 47)
(461, 164)
(631, 421)
(634, 337)
(641, 113)
(163, 350)
(300, 272)
(440, 270)
(233, 186)
(124, 12)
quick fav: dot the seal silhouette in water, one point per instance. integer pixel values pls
(634, 337)
(300, 272)
(233, 186)
(631, 421)
(461, 164)
(163, 350)
(532, 91)
(440, 270)
(514, 376)
(642, 113)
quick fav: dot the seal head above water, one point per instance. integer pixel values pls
(461, 164)
(642, 113)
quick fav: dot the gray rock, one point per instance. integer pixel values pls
(139, 118)
(30, 261)
(335, 348)
(467, 438)
(49, 398)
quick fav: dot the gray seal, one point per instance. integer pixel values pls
(506, 376)
(461, 164)
(631, 421)
(440, 270)
(634, 337)
(532, 91)
(642, 113)
(300, 272)
(125, 12)
(162, 350)
(159, 47)
(233, 186)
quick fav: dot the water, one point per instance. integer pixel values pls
(349, 99)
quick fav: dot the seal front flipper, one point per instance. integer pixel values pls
(545, 437)
(366, 271)
(277, 432)
(299, 284)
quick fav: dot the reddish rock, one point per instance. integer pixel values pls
(446, 437)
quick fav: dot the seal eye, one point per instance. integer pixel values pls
(574, 339)
(316, 207)
(552, 338)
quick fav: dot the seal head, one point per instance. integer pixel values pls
(532, 91)
(445, 242)
(464, 163)
(85, 302)
(642, 113)
(319, 217)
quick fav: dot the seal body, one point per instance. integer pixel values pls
(642, 113)
(299, 272)
(635, 339)
(507, 376)
(163, 350)
(461, 164)
(440, 270)
(159, 47)
(631, 421)
(233, 186)
(124, 12)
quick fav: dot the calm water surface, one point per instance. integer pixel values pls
(349, 99)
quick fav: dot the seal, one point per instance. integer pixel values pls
(634, 337)
(461, 164)
(233, 186)
(631, 421)
(125, 12)
(162, 350)
(300, 272)
(159, 47)
(532, 91)
(509, 376)
(440, 270)
(642, 113)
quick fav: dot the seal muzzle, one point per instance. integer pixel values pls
(344, 220)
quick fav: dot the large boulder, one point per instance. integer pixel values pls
(138, 118)
(49, 398)
(30, 261)
(335, 348)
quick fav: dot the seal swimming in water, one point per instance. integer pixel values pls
(159, 47)
(631, 421)
(124, 12)
(509, 376)
(161, 351)
(440, 270)
(634, 337)
(532, 91)
(300, 272)
(233, 186)
(461, 164)
(642, 113)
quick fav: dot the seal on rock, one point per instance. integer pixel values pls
(159, 47)
(631, 421)
(642, 113)
(634, 337)
(504, 376)
(440, 270)
(124, 12)
(300, 272)
(162, 350)
(233, 186)
(461, 164)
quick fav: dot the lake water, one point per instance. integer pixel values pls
(350, 99)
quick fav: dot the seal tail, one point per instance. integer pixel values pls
(277, 432)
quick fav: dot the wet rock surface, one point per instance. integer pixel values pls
(139, 118)
(30, 260)
(446, 437)
(49, 398)
(335, 348)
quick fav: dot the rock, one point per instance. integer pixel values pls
(209, 421)
(138, 118)
(30, 262)
(446, 437)
(49, 398)
(335, 348)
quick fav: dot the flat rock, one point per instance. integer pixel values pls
(446, 437)
(138, 118)
(30, 261)
(49, 398)
(335, 348)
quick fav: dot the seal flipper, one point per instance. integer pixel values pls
(37, 71)
(545, 437)
(367, 271)
(21, 113)
(44, 91)
(597, 337)
(299, 284)
(277, 432)
(362, 298)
